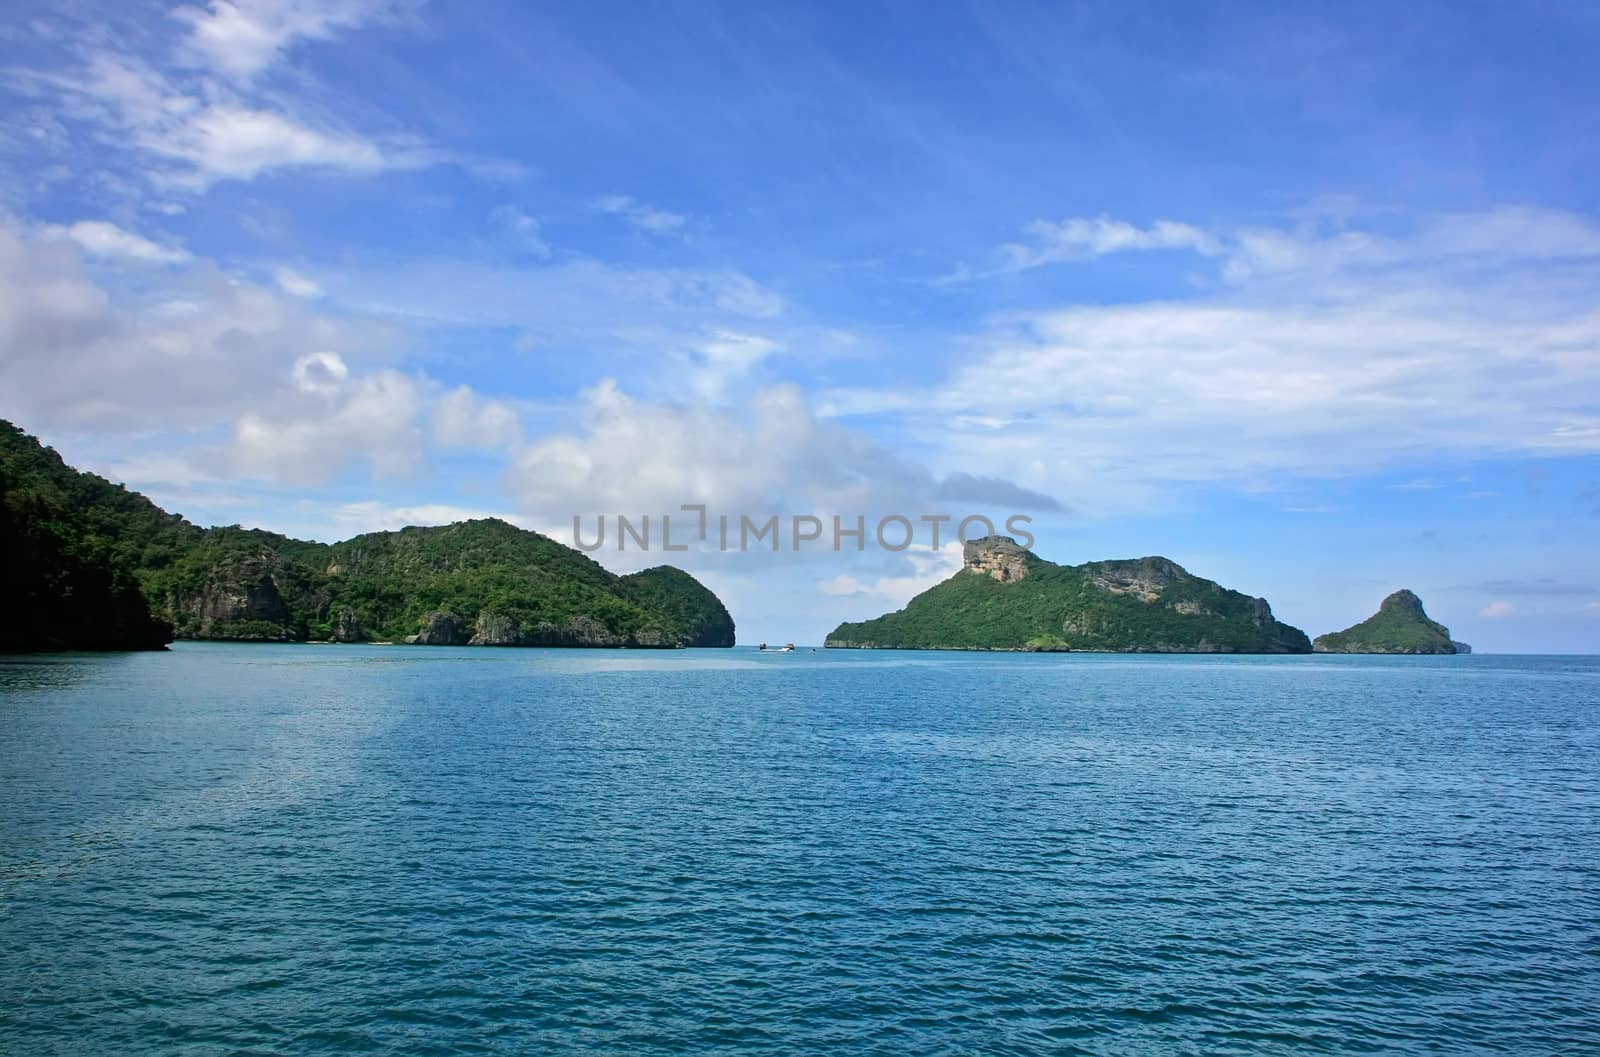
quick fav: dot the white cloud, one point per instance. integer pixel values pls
(233, 142)
(241, 38)
(320, 372)
(1084, 238)
(927, 567)
(371, 420)
(1522, 233)
(293, 283)
(1496, 610)
(195, 132)
(102, 239)
(462, 419)
(1329, 365)
(636, 457)
(201, 355)
(722, 361)
(638, 214)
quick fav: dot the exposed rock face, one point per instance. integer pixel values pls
(495, 629)
(1461, 647)
(498, 629)
(1144, 578)
(440, 629)
(256, 597)
(1399, 626)
(995, 556)
(346, 628)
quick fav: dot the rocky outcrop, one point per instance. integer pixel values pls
(581, 632)
(346, 627)
(1144, 578)
(258, 596)
(496, 629)
(1461, 647)
(440, 629)
(1399, 626)
(997, 557)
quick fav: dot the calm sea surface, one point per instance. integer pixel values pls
(325, 849)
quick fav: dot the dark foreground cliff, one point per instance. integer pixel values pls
(1007, 598)
(91, 565)
(1399, 626)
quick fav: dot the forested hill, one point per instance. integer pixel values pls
(92, 565)
(1008, 598)
(1399, 626)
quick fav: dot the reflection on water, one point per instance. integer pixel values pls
(342, 849)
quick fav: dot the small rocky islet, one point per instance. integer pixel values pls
(1399, 626)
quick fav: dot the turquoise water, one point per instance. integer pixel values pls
(322, 849)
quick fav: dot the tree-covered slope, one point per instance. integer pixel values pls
(479, 582)
(699, 614)
(68, 547)
(1007, 598)
(1399, 626)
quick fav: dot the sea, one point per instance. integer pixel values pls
(319, 849)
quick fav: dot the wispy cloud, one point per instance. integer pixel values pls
(105, 240)
(1085, 238)
(521, 230)
(639, 215)
(1330, 364)
(242, 38)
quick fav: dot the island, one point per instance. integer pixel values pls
(1008, 598)
(88, 564)
(1399, 626)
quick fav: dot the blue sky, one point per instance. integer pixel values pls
(1299, 295)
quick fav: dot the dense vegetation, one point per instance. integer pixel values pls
(1399, 626)
(1141, 605)
(67, 577)
(84, 556)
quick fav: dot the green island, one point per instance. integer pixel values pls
(1008, 598)
(88, 564)
(1399, 626)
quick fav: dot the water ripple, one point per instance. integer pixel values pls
(341, 850)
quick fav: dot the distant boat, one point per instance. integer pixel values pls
(788, 648)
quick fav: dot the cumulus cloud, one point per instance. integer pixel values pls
(463, 419)
(371, 421)
(201, 355)
(632, 456)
